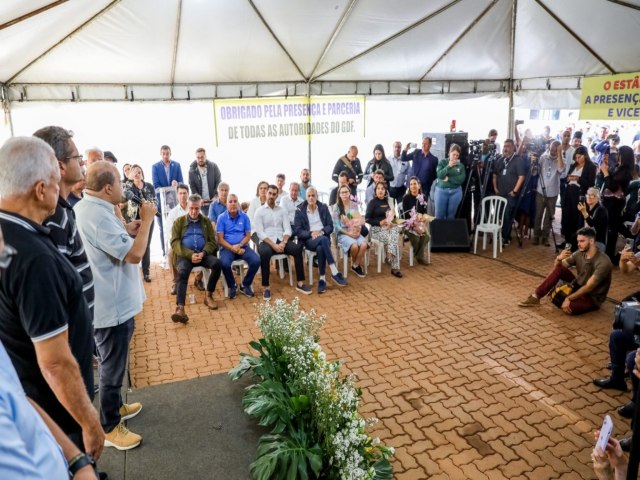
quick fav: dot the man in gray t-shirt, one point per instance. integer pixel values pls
(591, 280)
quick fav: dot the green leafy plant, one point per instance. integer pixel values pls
(317, 431)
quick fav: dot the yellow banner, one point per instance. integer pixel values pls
(611, 97)
(268, 118)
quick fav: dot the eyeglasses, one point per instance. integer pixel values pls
(75, 157)
(591, 195)
(7, 255)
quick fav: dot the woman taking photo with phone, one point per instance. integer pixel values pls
(450, 176)
(595, 215)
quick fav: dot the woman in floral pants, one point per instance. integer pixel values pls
(380, 216)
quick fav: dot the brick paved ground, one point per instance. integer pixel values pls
(465, 383)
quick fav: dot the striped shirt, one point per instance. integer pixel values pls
(65, 235)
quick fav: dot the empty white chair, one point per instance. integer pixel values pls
(491, 219)
(310, 256)
(280, 258)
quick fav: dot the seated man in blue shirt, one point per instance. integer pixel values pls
(219, 206)
(234, 233)
(194, 244)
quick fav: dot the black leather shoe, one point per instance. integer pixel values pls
(609, 366)
(626, 410)
(611, 383)
(625, 444)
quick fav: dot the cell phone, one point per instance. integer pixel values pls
(605, 433)
(582, 199)
(413, 145)
(567, 246)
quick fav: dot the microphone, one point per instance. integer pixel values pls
(129, 195)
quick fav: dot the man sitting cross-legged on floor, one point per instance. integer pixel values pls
(592, 279)
(194, 244)
(274, 231)
(313, 225)
(234, 233)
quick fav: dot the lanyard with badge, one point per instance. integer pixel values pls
(506, 164)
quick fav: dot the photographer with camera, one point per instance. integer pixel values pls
(550, 167)
(590, 283)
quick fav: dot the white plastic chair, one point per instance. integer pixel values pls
(280, 258)
(310, 254)
(236, 263)
(491, 219)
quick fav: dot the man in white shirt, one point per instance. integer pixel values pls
(397, 188)
(176, 212)
(290, 202)
(274, 231)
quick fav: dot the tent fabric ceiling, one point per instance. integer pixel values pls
(101, 49)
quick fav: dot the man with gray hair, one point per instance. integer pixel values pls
(45, 322)
(194, 245)
(114, 257)
(93, 155)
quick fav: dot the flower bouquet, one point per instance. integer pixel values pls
(316, 430)
(417, 222)
(353, 223)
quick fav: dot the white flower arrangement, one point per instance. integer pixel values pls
(324, 403)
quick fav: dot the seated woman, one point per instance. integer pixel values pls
(414, 209)
(380, 216)
(595, 215)
(450, 177)
(348, 225)
(131, 210)
(313, 226)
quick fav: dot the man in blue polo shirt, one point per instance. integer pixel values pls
(234, 233)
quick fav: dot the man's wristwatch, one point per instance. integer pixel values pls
(80, 461)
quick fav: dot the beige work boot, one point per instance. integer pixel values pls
(531, 301)
(210, 302)
(130, 410)
(122, 438)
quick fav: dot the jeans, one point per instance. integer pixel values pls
(146, 258)
(113, 348)
(447, 202)
(159, 222)
(266, 252)
(621, 343)
(546, 206)
(579, 305)
(185, 265)
(322, 247)
(509, 212)
(226, 259)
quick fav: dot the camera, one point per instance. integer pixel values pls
(627, 317)
(582, 199)
(537, 145)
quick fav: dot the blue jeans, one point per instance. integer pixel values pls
(322, 247)
(509, 212)
(447, 201)
(226, 259)
(113, 347)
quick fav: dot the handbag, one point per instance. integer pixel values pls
(560, 294)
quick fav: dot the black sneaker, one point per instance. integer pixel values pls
(358, 271)
(626, 410)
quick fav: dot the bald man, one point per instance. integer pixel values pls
(114, 257)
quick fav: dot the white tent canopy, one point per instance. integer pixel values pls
(194, 49)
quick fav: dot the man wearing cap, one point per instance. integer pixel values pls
(110, 157)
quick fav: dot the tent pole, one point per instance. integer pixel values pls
(6, 106)
(309, 123)
(514, 9)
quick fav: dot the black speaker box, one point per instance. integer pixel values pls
(449, 235)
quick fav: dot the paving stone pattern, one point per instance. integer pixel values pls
(466, 384)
